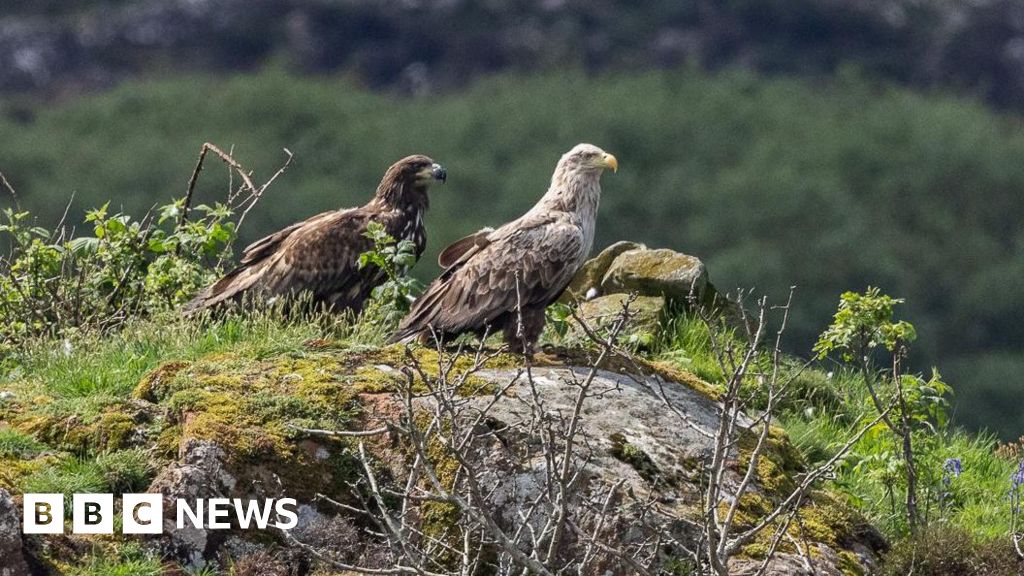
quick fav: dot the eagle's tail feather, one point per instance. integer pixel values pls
(232, 285)
(403, 336)
(423, 316)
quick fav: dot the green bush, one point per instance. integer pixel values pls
(52, 285)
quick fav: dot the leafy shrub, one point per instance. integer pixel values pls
(390, 301)
(51, 285)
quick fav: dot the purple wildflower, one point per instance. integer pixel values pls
(953, 468)
(1017, 478)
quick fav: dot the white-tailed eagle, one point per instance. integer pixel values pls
(320, 255)
(503, 279)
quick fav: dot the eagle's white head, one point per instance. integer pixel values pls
(576, 188)
(585, 160)
(575, 184)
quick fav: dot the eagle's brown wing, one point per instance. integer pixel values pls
(319, 255)
(464, 247)
(540, 253)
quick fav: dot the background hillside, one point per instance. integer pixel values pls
(802, 143)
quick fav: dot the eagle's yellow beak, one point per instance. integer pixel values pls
(609, 161)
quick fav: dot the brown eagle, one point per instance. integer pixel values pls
(525, 265)
(320, 255)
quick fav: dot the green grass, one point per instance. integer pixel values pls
(124, 560)
(247, 375)
(686, 342)
(72, 476)
(16, 444)
(978, 502)
(126, 470)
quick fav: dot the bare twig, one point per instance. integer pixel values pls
(10, 190)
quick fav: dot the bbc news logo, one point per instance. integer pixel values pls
(144, 514)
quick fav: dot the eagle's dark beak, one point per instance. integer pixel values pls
(438, 172)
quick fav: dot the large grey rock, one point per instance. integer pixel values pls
(590, 275)
(659, 272)
(630, 433)
(644, 322)
(12, 556)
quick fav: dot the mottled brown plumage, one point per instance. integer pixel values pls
(320, 255)
(494, 276)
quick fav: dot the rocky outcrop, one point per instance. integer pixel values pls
(663, 281)
(237, 423)
(631, 434)
(677, 277)
(200, 472)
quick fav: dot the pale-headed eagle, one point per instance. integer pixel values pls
(320, 255)
(494, 276)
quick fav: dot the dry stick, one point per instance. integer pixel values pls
(254, 198)
(59, 230)
(385, 514)
(611, 550)
(207, 147)
(907, 446)
(781, 531)
(755, 455)
(598, 526)
(565, 484)
(397, 570)
(719, 529)
(478, 513)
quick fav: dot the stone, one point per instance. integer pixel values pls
(644, 324)
(589, 276)
(199, 473)
(12, 556)
(659, 272)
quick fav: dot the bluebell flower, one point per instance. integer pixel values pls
(951, 468)
(1017, 478)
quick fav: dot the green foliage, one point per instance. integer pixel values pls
(391, 300)
(927, 400)
(862, 323)
(51, 286)
(559, 319)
